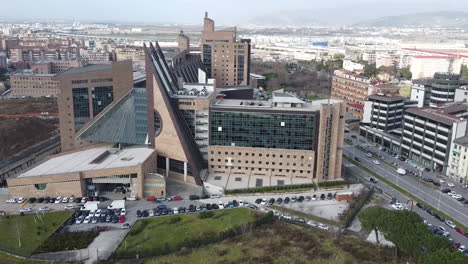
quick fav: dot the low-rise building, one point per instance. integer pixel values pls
(427, 66)
(32, 84)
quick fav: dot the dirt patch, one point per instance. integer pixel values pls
(20, 133)
(28, 106)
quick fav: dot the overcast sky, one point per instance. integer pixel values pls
(223, 11)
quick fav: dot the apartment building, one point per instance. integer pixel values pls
(458, 162)
(3, 60)
(31, 84)
(352, 89)
(226, 59)
(278, 141)
(427, 66)
(56, 66)
(429, 132)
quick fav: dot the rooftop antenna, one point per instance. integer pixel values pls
(206, 14)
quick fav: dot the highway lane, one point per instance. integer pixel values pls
(404, 200)
(436, 199)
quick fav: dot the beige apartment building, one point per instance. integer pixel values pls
(56, 66)
(226, 59)
(31, 84)
(86, 92)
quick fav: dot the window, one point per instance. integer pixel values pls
(40, 186)
(157, 123)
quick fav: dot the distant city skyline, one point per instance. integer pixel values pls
(224, 12)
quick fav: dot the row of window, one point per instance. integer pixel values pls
(246, 154)
(260, 169)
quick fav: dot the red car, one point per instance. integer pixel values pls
(151, 199)
(122, 219)
(460, 231)
(456, 244)
(176, 198)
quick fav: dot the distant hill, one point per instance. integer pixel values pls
(437, 19)
(287, 18)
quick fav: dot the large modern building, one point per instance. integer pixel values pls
(283, 141)
(226, 59)
(115, 136)
(85, 93)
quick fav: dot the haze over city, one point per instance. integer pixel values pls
(225, 12)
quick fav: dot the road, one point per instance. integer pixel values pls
(404, 199)
(435, 198)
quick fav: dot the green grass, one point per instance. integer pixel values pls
(401, 190)
(281, 243)
(8, 259)
(167, 233)
(34, 230)
(304, 215)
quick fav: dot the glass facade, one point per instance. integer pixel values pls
(207, 59)
(240, 69)
(157, 123)
(189, 117)
(102, 97)
(263, 130)
(80, 107)
(125, 122)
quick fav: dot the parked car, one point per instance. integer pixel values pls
(216, 196)
(11, 200)
(323, 226)
(308, 198)
(126, 226)
(194, 197)
(450, 184)
(373, 180)
(357, 159)
(40, 200)
(151, 199)
(21, 200)
(462, 249)
(322, 196)
(445, 190)
(330, 196)
(271, 201)
(258, 201)
(176, 198)
(436, 184)
(25, 210)
(80, 219)
(87, 219)
(376, 162)
(286, 200)
(450, 223)
(132, 198)
(32, 200)
(279, 200)
(69, 207)
(208, 207)
(460, 231)
(300, 199)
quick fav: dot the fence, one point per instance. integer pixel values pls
(69, 256)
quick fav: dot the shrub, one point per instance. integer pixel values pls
(174, 219)
(66, 241)
(206, 214)
(138, 228)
